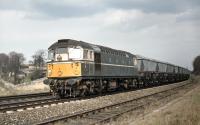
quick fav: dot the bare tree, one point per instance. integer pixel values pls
(15, 61)
(30, 62)
(39, 59)
(4, 58)
(39, 62)
(196, 65)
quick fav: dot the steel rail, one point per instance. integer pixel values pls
(7, 98)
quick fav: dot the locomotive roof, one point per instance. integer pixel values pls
(70, 42)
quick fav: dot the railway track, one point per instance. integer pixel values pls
(13, 103)
(8, 98)
(106, 113)
(30, 101)
(44, 101)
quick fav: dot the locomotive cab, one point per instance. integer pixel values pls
(70, 54)
(67, 61)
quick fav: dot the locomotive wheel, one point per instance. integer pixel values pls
(59, 95)
(82, 92)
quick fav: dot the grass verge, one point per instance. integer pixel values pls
(184, 111)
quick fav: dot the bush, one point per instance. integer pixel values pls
(37, 74)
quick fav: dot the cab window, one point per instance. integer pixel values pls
(75, 53)
(61, 50)
(51, 55)
(88, 55)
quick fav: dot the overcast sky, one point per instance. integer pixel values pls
(167, 30)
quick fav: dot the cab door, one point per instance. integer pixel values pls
(97, 63)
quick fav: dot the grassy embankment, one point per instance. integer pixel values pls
(185, 111)
(10, 89)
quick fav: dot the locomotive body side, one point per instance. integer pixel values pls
(115, 63)
(78, 68)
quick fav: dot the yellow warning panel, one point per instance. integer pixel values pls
(65, 69)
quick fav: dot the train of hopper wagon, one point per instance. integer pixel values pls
(76, 68)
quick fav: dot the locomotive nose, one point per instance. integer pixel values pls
(69, 69)
(75, 68)
(60, 72)
(49, 72)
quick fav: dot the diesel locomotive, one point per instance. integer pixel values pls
(76, 68)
